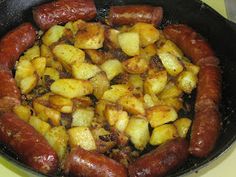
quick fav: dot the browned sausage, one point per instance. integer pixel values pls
(15, 42)
(62, 11)
(91, 164)
(28, 144)
(9, 93)
(207, 122)
(162, 160)
(131, 14)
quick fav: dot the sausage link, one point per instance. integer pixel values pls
(14, 43)
(131, 14)
(9, 93)
(62, 11)
(207, 122)
(91, 164)
(28, 144)
(162, 160)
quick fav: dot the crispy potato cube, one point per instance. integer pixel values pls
(138, 132)
(28, 83)
(129, 43)
(82, 117)
(159, 115)
(58, 138)
(71, 88)
(113, 113)
(148, 52)
(191, 67)
(135, 65)
(176, 103)
(182, 125)
(84, 101)
(162, 134)
(101, 106)
(53, 35)
(97, 57)
(155, 83)
(31, 53)
(90, 36)
(136, 82)
(23, 112)
(147, 32)
(187, 81)
(39, 125)
(84, 70)
(100, 84)
(112, 68)
(171, 63)
(170, 91)
(132, 104)
(122, 122)
(39, 65)
(148, 101)
(24, 68)
(111, 38)
(170, 47)
(116, 92)
(52, 73)
(81, 136)
(47, 53)
(61, 104)
(68, 54)
(74, 26)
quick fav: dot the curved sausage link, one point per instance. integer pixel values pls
(91, 164)
(14, 43)
(28, 144)
(207, 122)
(162, 160)
(131, 14)
(62, 11)
(9, 93)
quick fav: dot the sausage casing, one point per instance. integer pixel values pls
(28, 144)
(207, 121)
(9, 93)
(14, 43)
(91, 164)
(62, 11)
(131, 14)
(162, 160)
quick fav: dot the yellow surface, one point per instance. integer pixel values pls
(223, 166)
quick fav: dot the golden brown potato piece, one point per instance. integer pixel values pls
(61, 104)
(187, 81)
(82, 117)
(41, 126)
(40, 65)
(111, 38)
(182, 125)
(135, 65)
(170, 91)
(112, 68)
(170, 47)
(31, 53)
(23, 112)
(53, 35)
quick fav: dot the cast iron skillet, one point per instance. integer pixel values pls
(220, 33)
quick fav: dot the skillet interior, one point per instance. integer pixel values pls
(220, 33)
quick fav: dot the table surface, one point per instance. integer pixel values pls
(222, 166)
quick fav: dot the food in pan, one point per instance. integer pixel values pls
(94, 99)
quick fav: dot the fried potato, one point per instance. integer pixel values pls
(61, 104)
(176, 103)
(53, 35)
(162, 134)
(182, 125)
(39, 125)
(39, 65)
(170, 91)
(191, 67)
(101, 106)
(138, 132)
(81, 136)
(23, 112)
(82, 117)
(116, 92)
(129, 43)
(28, 83)
(111, 38)
(148, 52)
(47, 53)
(148, 101)
(136, 82)
(89, 36)
(31, 53)
(187, 81)
(84, 70)
(52, 73)
(122, 122)
(135, 65)
(159, 115)
(97, 57)
(71, 88)
(170, 47)
(147, 32)
(112, 68)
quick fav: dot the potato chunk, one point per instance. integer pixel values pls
(170, 47)
(101, 106)
(84, 70)
(52, 73)
(138, 132)
(81, 136)
(129, 43)
(162, 134)
(135, 65)
(170, 91)
(53, 35)
(82, 117)
(112, 68)
(28, 83)
(171, 63)
(71, 88)
(61, 104)
(23, 112)
(132, 104)
(116, 92)
(159, 115)
(147, 32)
(31, 53)
(191, 67)
(57, 137)
(89, 36)
(41, 126)
(187, 81)
(182, 125)
(39, 65)
(111, 38)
